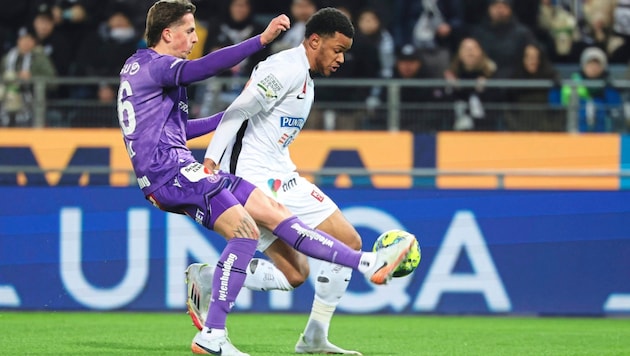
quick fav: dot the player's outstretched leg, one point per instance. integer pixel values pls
(389, 258)
(377, 267)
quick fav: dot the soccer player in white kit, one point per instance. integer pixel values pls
(252, 142)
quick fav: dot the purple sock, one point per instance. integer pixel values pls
(315, 243)
(228, 279)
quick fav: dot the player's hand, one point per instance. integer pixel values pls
(208, 163)
(276, 26)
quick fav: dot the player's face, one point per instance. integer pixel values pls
(330, 53)
(183, 36)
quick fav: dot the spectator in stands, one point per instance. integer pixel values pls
(103, 51)
(599, 104)
(502, 37)
(619, 44)
(235, 26)
(74, 18)
(423, 24)
(370, 30)
(530, 109)
(22, 63)
(409, 65)
(595, 22)
(102, 54)
(575, 25)
(454, 15)
(137, 10)
(301, 11)
(238, 25)
(561, 25)
(470, 63)
(369, 27)
(54, 45)
(360, 61)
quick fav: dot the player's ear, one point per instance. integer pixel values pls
(167, 35)
(314, 41)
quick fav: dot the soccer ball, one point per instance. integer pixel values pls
(411, 261)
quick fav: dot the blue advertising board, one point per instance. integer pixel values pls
(483, 251)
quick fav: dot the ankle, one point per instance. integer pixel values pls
(367, 263)
(212, 333)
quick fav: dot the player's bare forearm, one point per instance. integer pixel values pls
(274, 29)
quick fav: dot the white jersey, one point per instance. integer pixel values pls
(284, 88)
(260, 152)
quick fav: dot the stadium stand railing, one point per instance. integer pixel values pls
(390, 113)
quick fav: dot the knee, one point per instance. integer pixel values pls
(272, 214)
(354, 242)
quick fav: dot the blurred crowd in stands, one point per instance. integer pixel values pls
(452, 40)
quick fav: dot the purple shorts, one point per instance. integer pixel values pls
(201, 195)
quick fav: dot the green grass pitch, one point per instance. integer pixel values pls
(119, 333)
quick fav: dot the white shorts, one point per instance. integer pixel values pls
(303, 198)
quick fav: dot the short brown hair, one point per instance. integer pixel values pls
(163, 14)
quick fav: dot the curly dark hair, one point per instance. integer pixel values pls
(163, 14)
(327, 21)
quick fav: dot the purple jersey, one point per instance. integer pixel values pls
(153, 111)
(153, 107)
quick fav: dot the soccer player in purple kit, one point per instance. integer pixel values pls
(153, 116)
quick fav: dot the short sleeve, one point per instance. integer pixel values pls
(270, 84)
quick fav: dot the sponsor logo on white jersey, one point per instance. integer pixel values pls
(269, 86)
(286, 121)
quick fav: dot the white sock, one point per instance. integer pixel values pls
(212, 332)
(367, 263)
(331, 284)
(262, 275)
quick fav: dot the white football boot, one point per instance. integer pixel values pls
(199, 292)
(206, 344)
(388, 259)
(326, 347)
